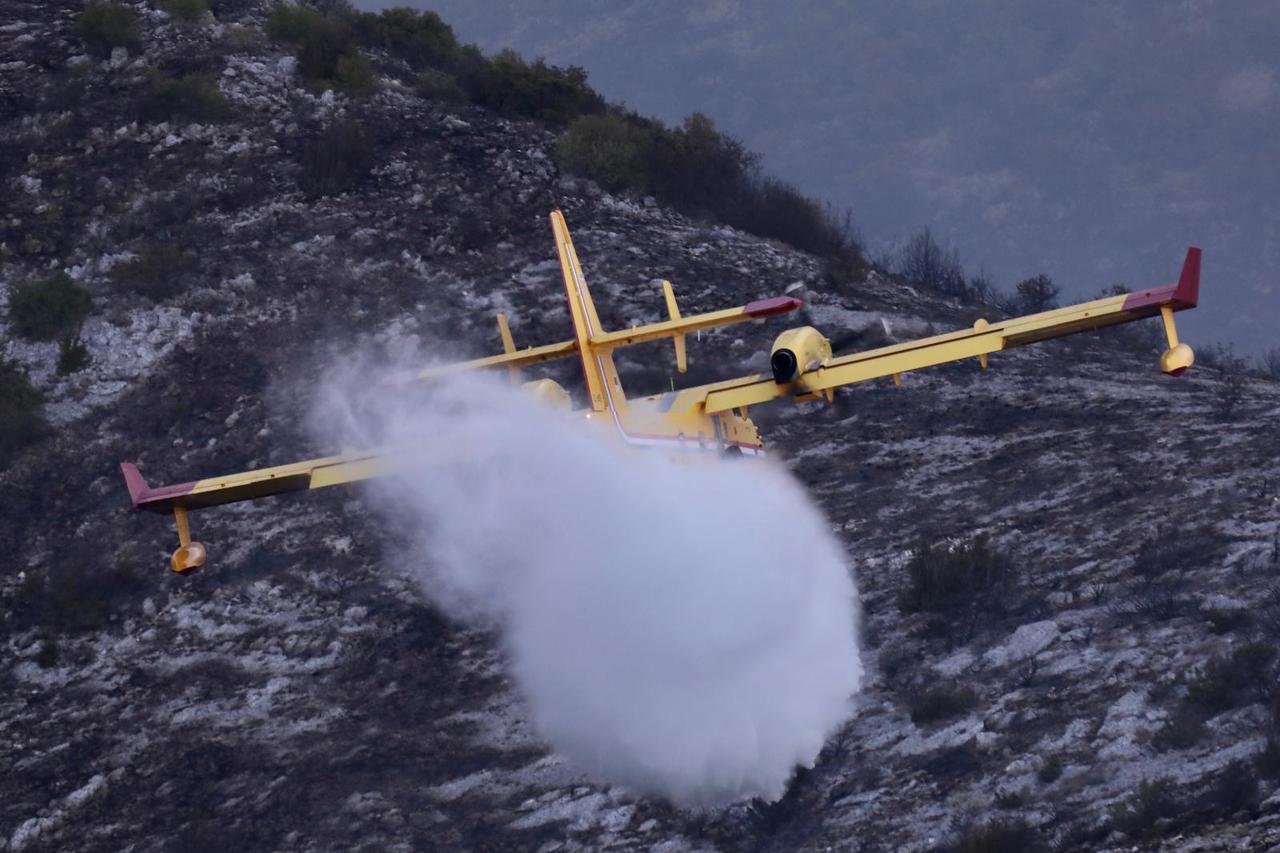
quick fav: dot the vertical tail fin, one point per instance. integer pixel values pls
(586, 323)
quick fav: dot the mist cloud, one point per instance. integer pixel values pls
(686, 629)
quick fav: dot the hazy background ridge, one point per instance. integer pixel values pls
(1091, 141)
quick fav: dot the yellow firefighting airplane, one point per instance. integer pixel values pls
(711, 418)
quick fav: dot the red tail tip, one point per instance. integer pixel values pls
(138, 487)
(1188, 289)
(769, 307)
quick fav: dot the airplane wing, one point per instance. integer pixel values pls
(213, 491)
(823, 376)
(677, 327)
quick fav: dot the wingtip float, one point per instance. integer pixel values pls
(709, 418)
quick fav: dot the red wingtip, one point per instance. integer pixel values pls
(769, 307)
(138, 487)
(1188, 290)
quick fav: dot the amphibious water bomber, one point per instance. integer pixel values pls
(703, 419)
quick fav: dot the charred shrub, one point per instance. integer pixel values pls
(931, 704)
(73, 355)
(1173, 550)
(999, 836)
(1050, 771)
(950, 764)
(1184, 729)
(47, 656)
(1150, 802)
(21, 421)
(337, 161)
(1267, 761)
(927, 263)
(1224, 621)
(508, 84)
(107, 25)
(41, 310)
(1270, 363)
(948, 578)
(1235, 789)
(192, 96)
(185, 11)
(1233, 680)
(1225, 682)
(78, 593)
(156, 272)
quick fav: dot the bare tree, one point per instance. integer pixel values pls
(1271, 363)
(926, 263)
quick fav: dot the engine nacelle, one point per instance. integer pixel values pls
(797, 351)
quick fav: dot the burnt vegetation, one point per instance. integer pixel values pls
(958, 586)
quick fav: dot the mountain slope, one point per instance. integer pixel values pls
(300, 694)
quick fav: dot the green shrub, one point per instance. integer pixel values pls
(939, 703)
(439, 86)
(73, 355)
(185, 11)
(354, 75)
(41, 310)
(241, 39)
(421, 39)
(609, 150)
(535, 90)
(156, 272)
(104, 25)
(1036, 294)
(325, 47)
(1151, 801)
(21, 421)
(322, 47)
(771, 208)
(335, 162)
(699, 169)
(949, 577)
(290, 24)
(192, 96)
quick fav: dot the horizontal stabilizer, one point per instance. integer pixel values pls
(683, 325)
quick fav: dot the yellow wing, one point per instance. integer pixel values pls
(803, 369)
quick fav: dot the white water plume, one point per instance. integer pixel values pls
(686, 629)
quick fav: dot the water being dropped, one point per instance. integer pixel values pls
(683, 628)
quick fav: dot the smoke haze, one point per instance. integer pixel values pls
(684, 628)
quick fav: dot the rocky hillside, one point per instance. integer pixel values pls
(1102, 679)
